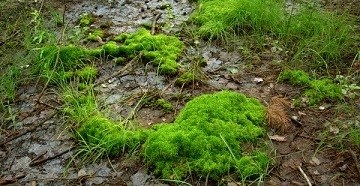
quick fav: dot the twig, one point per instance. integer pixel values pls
(356, 161)
(32, 128)
(153, 25)
(177, 102)
(296, 121)
(51, 157)
(38, 156)
(4, 181)
(306, 178)
(57, 54)
(120, 71)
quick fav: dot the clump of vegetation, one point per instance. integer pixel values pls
(294, 77)
(164, 105)
(95, 35)
(317, 91)
(160, 49)
(112, 138)
(87, 19)
(217, 18)
(206, 138)
(186, 78)
(87, 73)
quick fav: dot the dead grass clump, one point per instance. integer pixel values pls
(276, 114)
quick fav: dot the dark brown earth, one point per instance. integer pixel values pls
(305, 146)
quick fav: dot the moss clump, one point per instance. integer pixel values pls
(317, 91)
(87, 73)
(205, 138)
(294, 77)
(86, 19)
(106, 135)
(94, 35)
(164, 105)
(323, 89)
(218, 17)
(160, 49)
(185, 78)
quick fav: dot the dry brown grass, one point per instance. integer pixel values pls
(276, 114)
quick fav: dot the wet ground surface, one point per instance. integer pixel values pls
(41, 155)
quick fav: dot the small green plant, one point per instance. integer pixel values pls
(95, 35)
(205, 138)
(217, 18)
(185, 78)
(317, 90)
(164, 105)
(294, 77)
(86, 19)
(160, 49)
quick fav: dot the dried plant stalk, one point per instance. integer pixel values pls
(276, 114)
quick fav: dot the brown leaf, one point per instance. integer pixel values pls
(278, 138)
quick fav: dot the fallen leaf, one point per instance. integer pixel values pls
(334, 129)
(315, 161)
(277, 138)
(258, 80)
(81, 173)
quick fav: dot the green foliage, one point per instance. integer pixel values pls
(294, 77)
(205, 138)
(317, 90)
(86, 19)
(321, 90)
(218, 17)
(93, 36)
(185, 78)
(255, 164)
(87, 73)
(113, 138)
(160, 49)
(164, 105)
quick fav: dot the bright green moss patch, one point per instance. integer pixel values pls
(186, 78)
(160, 49)
(86, 19)
(294, 77)
(317, 91)
(94, 35)
(206, 138)
(111, 137)
(218, 17)
(164, 105)
(323, 90)
(87, 73)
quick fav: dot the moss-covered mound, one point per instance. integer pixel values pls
(112, 138)
(70, 63)
(317, 91)
(160, 49)
(205, 139)
(217, 17)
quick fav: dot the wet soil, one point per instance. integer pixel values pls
(40, 154)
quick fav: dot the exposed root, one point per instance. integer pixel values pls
(276, 114)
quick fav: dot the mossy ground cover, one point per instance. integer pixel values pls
(318, 90)
(205, 139)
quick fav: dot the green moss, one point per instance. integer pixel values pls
(93, 36)
(294, 77)
(105, 134)
(216, 18)
(185, 78)
(160, 49)
(323, 90)
(120, 60)
(86, 19)
(317, 90)
(205, 138)
(164, 105)
(87, 73)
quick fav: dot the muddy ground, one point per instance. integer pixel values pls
(37, 151)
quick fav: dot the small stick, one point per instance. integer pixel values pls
(32, 128)
(38, 156)
(356, 161)
(153, 25)
(306, 178)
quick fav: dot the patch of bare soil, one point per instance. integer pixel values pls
(36, 145)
